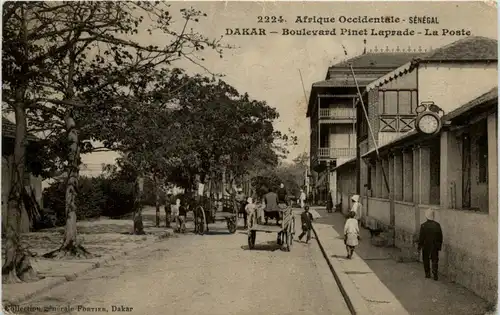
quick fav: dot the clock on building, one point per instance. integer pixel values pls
(428, 122)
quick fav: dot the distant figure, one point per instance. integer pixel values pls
(181, 222)
(250, 210)
(306, 218)
(302, 198)
(240, 199)
(351, 234)
(272, 209)
(356, 207)
(175, 210)
(329, 203)
(282, 195)
(430, 241)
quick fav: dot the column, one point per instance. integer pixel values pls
(385, 162)
(379, 181)
(333, 187)
(424, 177)
(398, 176)
(390, 168)
(407, 175)
(328, 180)
(492, 166)
(450, 172)
(444, 191)
(416, 184)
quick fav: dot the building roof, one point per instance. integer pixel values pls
(345, 163)
(9, 130)
(488, 99)
(378, 60)
(484, 100)
(472, 49)
(341, 82)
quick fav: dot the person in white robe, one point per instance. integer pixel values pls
(351, 234)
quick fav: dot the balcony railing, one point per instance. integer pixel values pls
(333, 153)
(337, 113)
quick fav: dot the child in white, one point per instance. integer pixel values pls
(175, 210)
(351, 234)
(251, 213)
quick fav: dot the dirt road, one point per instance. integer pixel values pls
(214, 274)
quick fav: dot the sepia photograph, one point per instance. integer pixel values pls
(249, 157)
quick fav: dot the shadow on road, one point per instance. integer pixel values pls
(217, 233)
(270, 246)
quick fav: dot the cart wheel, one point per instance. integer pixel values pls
(201, 221)
(252, 235)
(231, 225)
(280, 238)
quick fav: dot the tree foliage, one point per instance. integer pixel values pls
(80, 72)
(292, 175)
(58, 59)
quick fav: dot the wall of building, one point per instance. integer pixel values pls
(406, 81)
(346, 185)
(470, 246)
(443, 83)
(342, 136)
(470, 250)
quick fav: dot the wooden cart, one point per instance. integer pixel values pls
(208, 211)
(285, 231)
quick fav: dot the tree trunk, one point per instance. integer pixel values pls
(168, 202)
(138, 225)
(157, 201)
(167, 213)
(17, 266)
(70, 244)
(224, 191)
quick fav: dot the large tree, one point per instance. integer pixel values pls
(57, 58)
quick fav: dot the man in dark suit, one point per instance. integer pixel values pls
(430, 241)
(282, 195)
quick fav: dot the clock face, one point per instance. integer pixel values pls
(428, 124)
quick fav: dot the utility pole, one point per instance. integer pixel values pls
(391, 196)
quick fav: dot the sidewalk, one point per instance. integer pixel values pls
(386, 286)
(105, 238)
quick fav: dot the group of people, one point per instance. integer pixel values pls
(270, 207)
(178, 214)
(429, 243)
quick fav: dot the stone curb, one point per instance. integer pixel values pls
(355, 302)
(71, 277)
(63, 279)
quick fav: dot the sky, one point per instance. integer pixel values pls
(267, 67)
